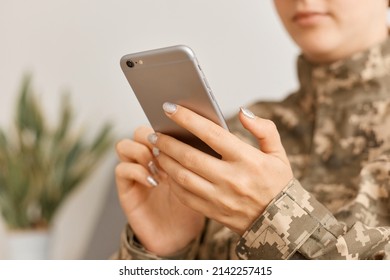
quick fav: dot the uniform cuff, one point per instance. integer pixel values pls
(286, 224)
(132, 249)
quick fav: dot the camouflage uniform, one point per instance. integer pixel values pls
(336, 131)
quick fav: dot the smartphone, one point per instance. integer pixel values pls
(172, 74)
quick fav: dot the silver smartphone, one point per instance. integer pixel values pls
(171, 74)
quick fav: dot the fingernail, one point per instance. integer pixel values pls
(152, 168)
(152, 138)
(155, 151)
(247, 113)
(152, 181)
(169, 107)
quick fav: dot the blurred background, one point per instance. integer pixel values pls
(75, 46)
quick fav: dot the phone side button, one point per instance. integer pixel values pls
(212, 96)
(206, 83)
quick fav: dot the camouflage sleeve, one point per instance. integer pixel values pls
(130, 249)
(296, 225)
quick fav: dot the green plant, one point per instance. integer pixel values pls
(41, 165)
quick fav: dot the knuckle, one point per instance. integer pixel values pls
(214, 134)
(141, 132)
(189, 159)
(130, 151)
(186, 119)
(182, 177)
(121, 146)
(120, 170)
(270, 125)
(137, 133)
(163, 144)
(144, 154)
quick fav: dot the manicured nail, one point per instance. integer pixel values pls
(152, 168)
(247, 113)
(169, 107)
(152, 181)
(152, 138)
(155, 151)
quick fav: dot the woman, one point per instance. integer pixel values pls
(309, 179)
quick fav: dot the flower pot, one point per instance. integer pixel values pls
(28, 245)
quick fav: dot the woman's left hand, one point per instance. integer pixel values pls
(233, 190)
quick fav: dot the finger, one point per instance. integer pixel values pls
(186, 178)
(141, 135)
(127, 174)
(264, 130)
(131, 151)
(202, 164)
(218, 138)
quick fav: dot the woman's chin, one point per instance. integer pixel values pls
(321, 51)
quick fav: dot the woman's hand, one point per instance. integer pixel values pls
(234, 190)
(159, 220)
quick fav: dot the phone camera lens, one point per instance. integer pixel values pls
(130, 63)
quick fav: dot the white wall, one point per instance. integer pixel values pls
(77, 44)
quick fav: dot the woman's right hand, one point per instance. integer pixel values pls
(160, 221)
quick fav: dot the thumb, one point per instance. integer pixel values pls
(264, 130)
